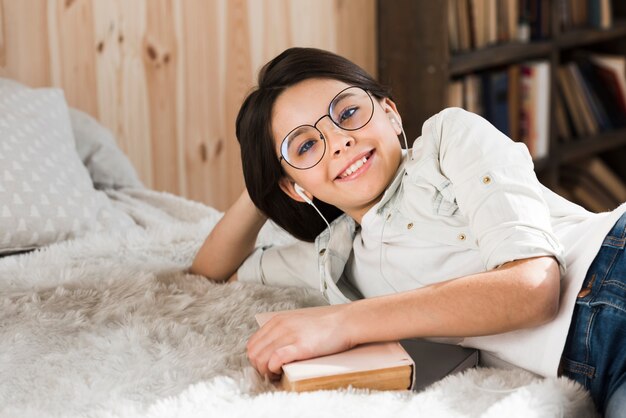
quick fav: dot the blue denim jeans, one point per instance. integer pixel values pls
(595, 350)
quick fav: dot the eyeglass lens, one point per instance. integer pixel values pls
(350, 110)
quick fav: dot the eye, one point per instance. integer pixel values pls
(347, 114)
(306, 146)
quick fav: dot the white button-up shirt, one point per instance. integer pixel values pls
(465, 200)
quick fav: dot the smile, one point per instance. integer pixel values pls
(356, 167)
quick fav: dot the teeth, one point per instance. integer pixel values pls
(354, 167)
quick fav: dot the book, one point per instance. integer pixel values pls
(455, 94)
(495, 99)
(566, 87)
(575, 83)
(375, 366)
(562, 122)
(616, 65)
(453, 26)
(604, 176)
(604, 88)
(514, 101)
(594, 185)
(535, 120)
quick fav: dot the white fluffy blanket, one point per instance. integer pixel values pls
(110, 325)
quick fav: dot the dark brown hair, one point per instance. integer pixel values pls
(261, 168)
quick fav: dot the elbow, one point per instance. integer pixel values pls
(201, 267)
(545, 284)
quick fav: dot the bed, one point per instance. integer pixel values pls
(99, 316)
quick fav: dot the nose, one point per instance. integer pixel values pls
(337, 139)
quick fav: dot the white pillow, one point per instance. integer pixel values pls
(108, 167)
(46, 194)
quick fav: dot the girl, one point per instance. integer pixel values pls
(454, 238)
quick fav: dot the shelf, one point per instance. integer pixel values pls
(582, 147)
(581, 37)
(497, 55)
(493, 56)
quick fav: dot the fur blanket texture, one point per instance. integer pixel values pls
(111, 325)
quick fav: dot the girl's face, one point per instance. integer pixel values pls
(357, 165)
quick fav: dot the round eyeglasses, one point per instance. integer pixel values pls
(351, 109)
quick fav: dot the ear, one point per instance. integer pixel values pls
(287, 186)
(389, 106)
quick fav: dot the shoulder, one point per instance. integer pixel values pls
(449, 118)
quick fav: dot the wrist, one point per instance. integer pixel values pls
(352, 321)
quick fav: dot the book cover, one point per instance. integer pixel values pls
(495, 99)
(615, 64)
(571, 103)
(591, 97)
(535, 120)
(604, 91)
(376, 366)
(591, 124)
(606, 178)
(514, 101)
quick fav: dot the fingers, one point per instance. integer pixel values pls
(283, 355)
(271, 347)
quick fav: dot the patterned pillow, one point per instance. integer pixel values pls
(46, 194)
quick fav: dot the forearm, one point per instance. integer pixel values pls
(230, 241)
(520, 294)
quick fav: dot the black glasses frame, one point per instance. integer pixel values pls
(314, 126)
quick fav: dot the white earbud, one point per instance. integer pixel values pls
(395, 121)
(303, 195)
(300, 192)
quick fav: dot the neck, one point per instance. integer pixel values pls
(358, 212)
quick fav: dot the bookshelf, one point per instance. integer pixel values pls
(415, 59)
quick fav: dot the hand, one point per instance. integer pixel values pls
(300, 335)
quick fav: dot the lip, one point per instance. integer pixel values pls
(361, 170)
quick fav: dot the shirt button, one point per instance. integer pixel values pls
(409, 226)
(322, 251)
(462, 237)
(325, 286)
(388, 216)
(486, 180)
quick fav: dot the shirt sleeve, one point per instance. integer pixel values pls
(294, 264)
(495, 187)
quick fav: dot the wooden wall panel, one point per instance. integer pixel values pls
(74, 59)
(122, 89)
(167, 76)
(160, 57)
(23, 27)
(200, 108)
(2, 28)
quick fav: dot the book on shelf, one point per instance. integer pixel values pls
(476, 24)
(592, 184)
(514, 99)
(574, 106)
(563, 121)
(609, 181)
(594, 94)
(397, 365)
(612, 69)
(600, 14)
(535, 107)
(575, 14)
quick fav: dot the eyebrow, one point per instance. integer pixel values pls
(342, 96)
(296, 132)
